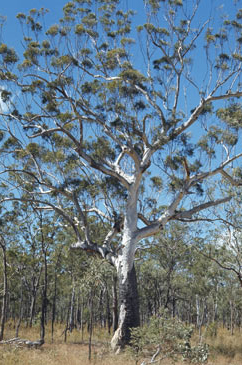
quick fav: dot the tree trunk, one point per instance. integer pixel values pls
(129, 309)
(72, 304)
(54, 298)
(115, 303)
(82, 322)
(43, 310)
(128, 290)
(34, 290)
(20, 310)
(44, 294)
(5, 289)
(231, 317)
(67, 323)
(54, 308)
(108, 314)
(90, 327)
(102, 319)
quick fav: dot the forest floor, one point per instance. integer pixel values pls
(225, 349)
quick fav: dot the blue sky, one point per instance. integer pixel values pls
(12, 29)
(11, 8)
(12, 34)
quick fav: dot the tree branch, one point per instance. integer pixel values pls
(103, 251)
(189, 213)
(231, 179)
(49, 206)
(194, 116)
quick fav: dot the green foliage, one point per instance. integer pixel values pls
(157, 182)
(171, 336)
(21, 16)
(100, 149)
(53, 30)
(155, 5)
(133, 76)
(79, 29)
(9, 55)
(11, 142)
(210, 38)
(231, 115)
(34, 149)
(174, 162)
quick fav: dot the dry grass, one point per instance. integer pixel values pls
(224, 349)
(62, 354)
(73, 352)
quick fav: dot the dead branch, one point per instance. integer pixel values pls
(20, 342)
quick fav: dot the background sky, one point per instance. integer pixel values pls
(12, 33)
(10, 8)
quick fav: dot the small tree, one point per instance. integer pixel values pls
(122, 127)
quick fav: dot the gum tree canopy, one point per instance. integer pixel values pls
(122, 121)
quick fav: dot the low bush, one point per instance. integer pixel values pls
(166, 338)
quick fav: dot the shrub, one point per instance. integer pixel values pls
(166, 337)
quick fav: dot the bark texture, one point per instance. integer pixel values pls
(129, 310)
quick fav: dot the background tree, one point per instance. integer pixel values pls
(119, 127)
(5, 288)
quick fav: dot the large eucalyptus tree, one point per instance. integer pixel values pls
(122, 127)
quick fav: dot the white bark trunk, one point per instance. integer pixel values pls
(129, 308)
(128, 293)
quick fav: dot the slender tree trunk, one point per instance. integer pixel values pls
(5, 288)
(35, 286)
(173, 307)
(43, 312)
(115, 303)
(72, 304)
(78, 312)
(53, 317)
(53, 308)
(67, 323)
(32, 308)
(82, 323)
(90, 328)
(20, 310)
(231, 317)
(44, 293)
(108, 314)
(102, 320)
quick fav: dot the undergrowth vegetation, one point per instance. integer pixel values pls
(167, 338)
(224, 349)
